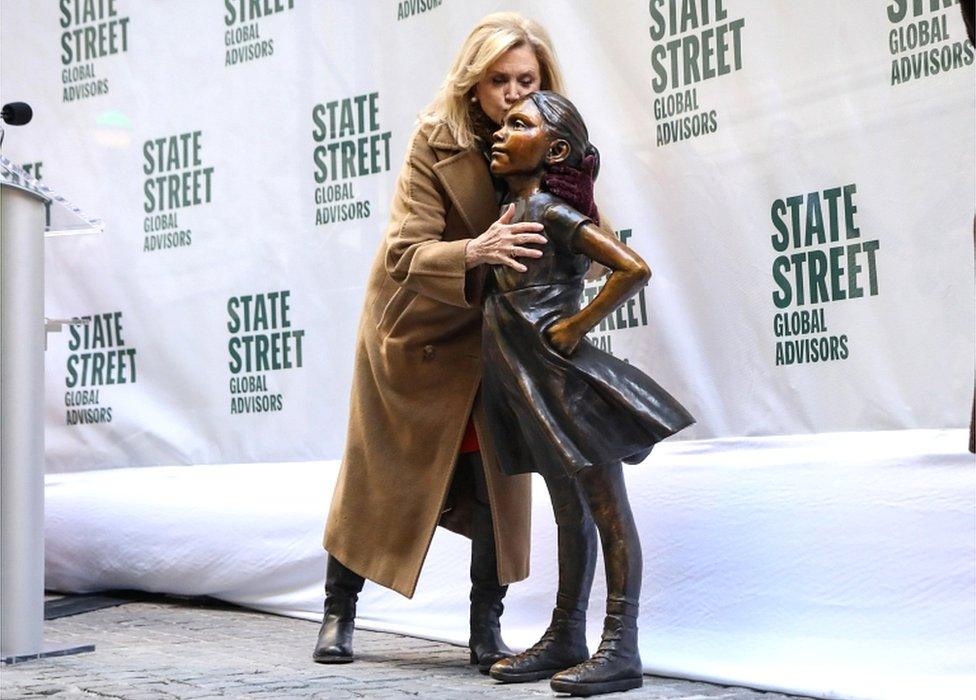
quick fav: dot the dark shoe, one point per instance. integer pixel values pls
(563, 645)
(342, 587)
(486, 643)
(334, 645)
(615, 666)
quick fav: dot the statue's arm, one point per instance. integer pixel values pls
(628, 274)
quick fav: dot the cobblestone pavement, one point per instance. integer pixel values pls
(166, 648)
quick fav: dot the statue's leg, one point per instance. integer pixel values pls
(485, 643)
(616, 665)
(342, 587)
(564, 643)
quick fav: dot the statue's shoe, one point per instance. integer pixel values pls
(563, 645)
(616, 665)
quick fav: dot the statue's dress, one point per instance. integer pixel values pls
(545, 411)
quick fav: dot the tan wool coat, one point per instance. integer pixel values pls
(416, 378)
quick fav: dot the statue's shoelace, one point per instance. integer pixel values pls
(541, 646)
(608, 645)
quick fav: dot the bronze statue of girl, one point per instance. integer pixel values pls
(559, 406)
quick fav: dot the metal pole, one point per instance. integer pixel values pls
(21, 422)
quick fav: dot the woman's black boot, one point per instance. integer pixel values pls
(615, 666)
(342, 587)
(486, 643)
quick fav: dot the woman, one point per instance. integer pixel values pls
(557, 405)
(415, 388)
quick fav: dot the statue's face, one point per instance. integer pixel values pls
(521, 145)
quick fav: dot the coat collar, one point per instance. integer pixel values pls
(467, 181)
(442, 138)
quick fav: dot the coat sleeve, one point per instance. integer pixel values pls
(417, 257)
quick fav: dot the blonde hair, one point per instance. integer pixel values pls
(493, 36)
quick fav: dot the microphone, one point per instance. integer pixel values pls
(16, 113)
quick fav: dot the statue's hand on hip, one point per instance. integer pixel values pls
(564, 336)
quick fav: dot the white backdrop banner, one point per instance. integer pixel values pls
(799, 175)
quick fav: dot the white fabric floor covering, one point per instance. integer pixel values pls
(839, 566)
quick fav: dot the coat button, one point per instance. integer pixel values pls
(429, 352)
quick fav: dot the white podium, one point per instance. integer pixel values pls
(29, 211)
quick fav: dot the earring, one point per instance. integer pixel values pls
(474, 98)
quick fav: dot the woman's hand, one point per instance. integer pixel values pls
(564, 336)
(503, 242)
